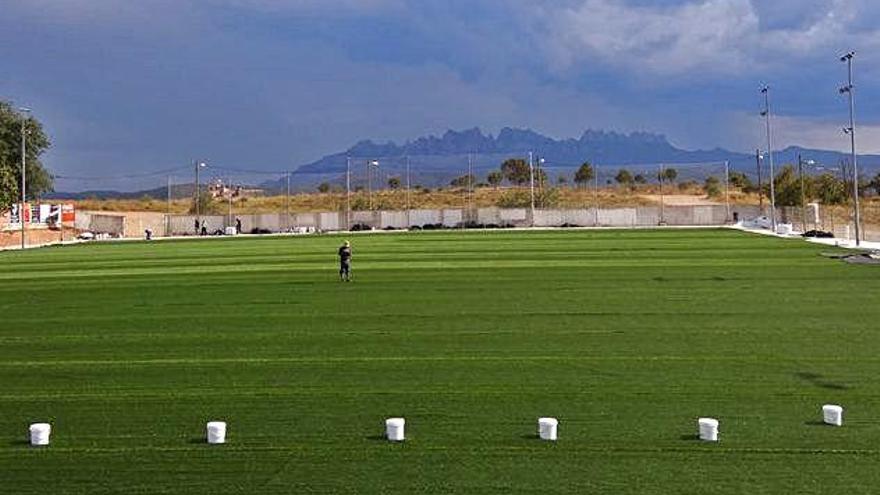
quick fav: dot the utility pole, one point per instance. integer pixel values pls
(369, 185)
(851, 130)
(766, 114)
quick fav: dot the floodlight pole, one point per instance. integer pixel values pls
(760, 182)
(348, 193)
(24, 175)
(198, 212)
(766, 114)
(287, 203)
(727, 188)
(470, 191)
(803, 194)
(167, 210)
(229, 194)
(596, 194)
(407, 193)
(531, 189)
(662, 205)
(849, 90)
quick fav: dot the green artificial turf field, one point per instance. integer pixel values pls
(625, 336)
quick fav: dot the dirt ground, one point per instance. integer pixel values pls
(37, 237)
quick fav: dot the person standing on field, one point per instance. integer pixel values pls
(345, 262)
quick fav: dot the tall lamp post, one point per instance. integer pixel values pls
(532, 188)
(766, 114)
(348, 193)
(370, 165)
(21, 215)
(758, 158)
(198, 167)
(851, 130)
(801, 163)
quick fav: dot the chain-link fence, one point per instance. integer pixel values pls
(342, 192)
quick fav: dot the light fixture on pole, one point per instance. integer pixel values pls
(408, 214)
(370, 165)
(801, 163)
(348, 193)
(198, 167)
(758, 157)
(532, 188)
(851, 130)
(766, 114)
(542, 176)
(21, 215)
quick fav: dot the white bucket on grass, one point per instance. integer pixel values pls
(832, 414)
(394, 429)
(40, 433)
(708, 429)
(216, 432)
(548, 428)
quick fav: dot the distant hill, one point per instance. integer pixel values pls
(436, 160)
(177, 191)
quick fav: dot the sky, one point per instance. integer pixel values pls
(128, 86)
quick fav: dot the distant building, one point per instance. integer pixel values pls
(217, 189)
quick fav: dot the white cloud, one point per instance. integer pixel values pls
(807, 132)
(717, 37)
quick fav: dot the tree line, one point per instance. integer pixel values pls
(39, 181)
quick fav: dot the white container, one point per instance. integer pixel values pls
(231, 231)
(40, 433)
(708, 429)
(547, 428)
(832, 414)
(784, 228)
(394, 429)
(216, 432)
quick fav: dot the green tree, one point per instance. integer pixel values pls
(585, 173)
(323, 187)
(394, 183)
(38, 179)
(516, 171)
(788, 187)
(624, 177)
(670, 174)
(494, 178)
(207, 205)
(712, 186)
(741, 181)
(562, 179)
(830, 190)
(640, 179)
(463, 181)
(875, 183)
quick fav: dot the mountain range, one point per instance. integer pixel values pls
(435, 160)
